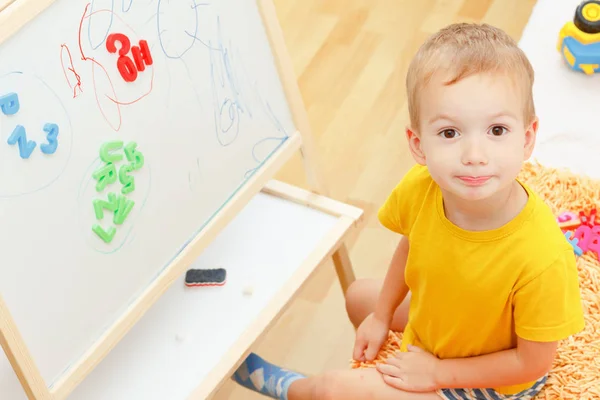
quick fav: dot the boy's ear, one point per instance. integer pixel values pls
(414, 144)
(530, 137)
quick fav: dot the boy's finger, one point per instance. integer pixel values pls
(395, 382)
(359, 349)
(372, 350)
(415, 349)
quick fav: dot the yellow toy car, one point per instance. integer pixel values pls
(579, 40)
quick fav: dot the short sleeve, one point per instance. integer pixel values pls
(402, 206)
(548, 308)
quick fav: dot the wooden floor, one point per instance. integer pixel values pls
(351, 58)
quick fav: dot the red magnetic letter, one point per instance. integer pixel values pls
(118, 37)
(141, 55)
(127, 68)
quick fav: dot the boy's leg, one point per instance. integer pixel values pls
(356, 384)
(361, 299)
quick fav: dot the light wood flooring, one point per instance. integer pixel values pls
(350, 57)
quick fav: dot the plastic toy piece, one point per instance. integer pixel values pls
(126, 180)
(9, 104)
(206, 277)
(573, 242)
(125, 65)
(141, 55)
(105, 176)
(568, 221)
(127, 69)
(579, 40)
(583, 233)
(118, 37)
(135, 157)
(106, 236)
(123, 209)
(107, 148)
(587, 16)
(594, 245)
(20, 136)
(590, 220)
(51, 136)
(566, 216)
(110, 205)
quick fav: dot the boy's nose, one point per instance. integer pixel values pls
(473, 154)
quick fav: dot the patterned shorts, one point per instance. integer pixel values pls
(491, 394)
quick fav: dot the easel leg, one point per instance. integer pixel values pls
(343, 267)
(20, 359)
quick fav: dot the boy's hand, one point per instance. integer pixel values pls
(370, 336)
(414, 371)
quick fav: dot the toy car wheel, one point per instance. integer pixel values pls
(587, 16)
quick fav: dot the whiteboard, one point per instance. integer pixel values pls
(189, 125)
(165, 355)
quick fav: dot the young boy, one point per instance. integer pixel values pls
(492, 281)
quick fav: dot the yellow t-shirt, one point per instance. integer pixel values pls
(472, 291)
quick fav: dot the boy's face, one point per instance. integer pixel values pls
(473, 137)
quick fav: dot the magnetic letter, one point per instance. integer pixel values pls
(105, 176)
(127, 68)
(51, 136)
(9, 104)
(118, 37)
(126, 179)
(141, 55)
(105, 151)
(25, 146)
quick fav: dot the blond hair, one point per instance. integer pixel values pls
(465, 49)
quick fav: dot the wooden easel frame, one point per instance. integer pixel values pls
(18, 13)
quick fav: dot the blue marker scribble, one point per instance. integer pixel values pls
(127, 7)
(278, 142)
(93, 16)
(227, 109)
(190, 33)
(189, 74)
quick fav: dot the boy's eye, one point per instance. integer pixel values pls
(449, 133)
(498, 130)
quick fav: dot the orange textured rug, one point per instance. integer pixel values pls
(576, 371)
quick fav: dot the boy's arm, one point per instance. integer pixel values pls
(528, 362)
(394, 287)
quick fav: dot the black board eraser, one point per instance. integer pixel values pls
(205, 277)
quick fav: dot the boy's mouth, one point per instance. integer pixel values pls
(474, 180)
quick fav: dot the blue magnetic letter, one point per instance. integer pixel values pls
(25, 146)
(9, 104)
(52, 133)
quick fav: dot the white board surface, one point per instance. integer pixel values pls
(185, 334)
(566, 101)
(205, 114)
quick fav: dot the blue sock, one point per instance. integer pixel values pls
(260, 376)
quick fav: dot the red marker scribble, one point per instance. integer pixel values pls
(96, 63)
(111, 96)
(71, 69)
